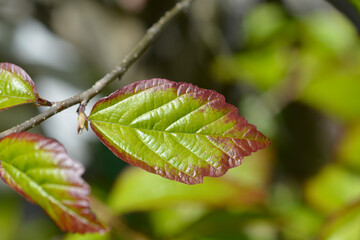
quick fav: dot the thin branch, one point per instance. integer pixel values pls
(116, 73)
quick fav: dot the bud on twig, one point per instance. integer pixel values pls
(82, 118)
(82, 122)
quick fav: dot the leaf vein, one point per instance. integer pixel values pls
(182, 117)
(215, 120)
(133, 95)
(160, 155)
(157, 108)
(203, 160)
(51, 198)
(165, 131)
(230, 157)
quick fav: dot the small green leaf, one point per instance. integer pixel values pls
(332, 188)
(16, 86)
(264, 23)
(40, 170)
(272, 60)
(134, 191)
(349, 147)
(175, 130)
(88, 236)
(10, 218)
(344, 225)
(321, 90)
(356, 3)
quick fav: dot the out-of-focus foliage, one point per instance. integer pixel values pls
(292, 67)
(316, 56)
(133, 190)
(93, 236)
(356, 4)
(349, 149)
(10, 217)
(313, 59)
(344, 225)
(333, 188)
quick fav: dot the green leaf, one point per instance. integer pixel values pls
(333, 188)
(175, 220)
(134, 191)
(298, 221)
(344, 225)
(335, 92)
(39, 169)
(264, 23)
(176, 130)
(16, 86)
(10, 218)
(328, 32)
(273, 62)
(174, 206)
(349, 8)
(349, 147)
(88, 236)
(356, 3)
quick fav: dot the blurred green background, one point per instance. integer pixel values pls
(293, 69)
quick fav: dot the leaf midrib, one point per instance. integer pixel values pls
(210, 135)
(12, 96)
(105, 134)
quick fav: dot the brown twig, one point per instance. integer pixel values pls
(116, 73)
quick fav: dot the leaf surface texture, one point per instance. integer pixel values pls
(176, 130)
(16, 86)
(40, 170)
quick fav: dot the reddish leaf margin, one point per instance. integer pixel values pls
(234, 148)
(72, 214)
(20, 73)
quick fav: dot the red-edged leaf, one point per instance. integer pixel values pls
(176, 130)
(16, 86)
(40, 170)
